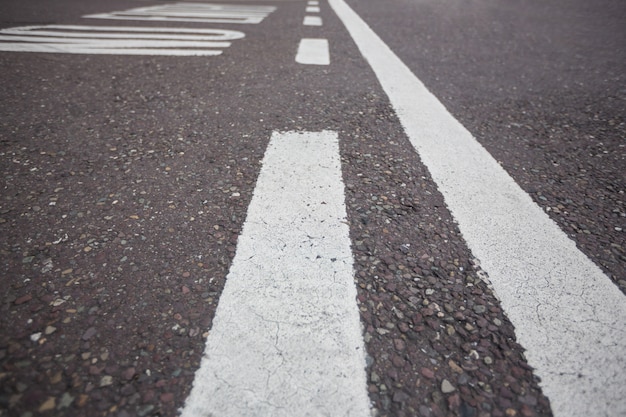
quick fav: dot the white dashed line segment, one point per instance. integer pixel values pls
(568, 315)
(312, 21)
(286, 339)
(313, 52)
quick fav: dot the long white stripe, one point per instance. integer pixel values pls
(117, 43)
(568, 315)
(113, 16)
(313, 52)
(286, 338)
(64, 48)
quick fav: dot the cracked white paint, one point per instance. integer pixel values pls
(286, 339)
(568, 315)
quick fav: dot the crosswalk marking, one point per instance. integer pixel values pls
(313, 52)
(286, 338)
(76, 39)
(193, 12)
(568, 315)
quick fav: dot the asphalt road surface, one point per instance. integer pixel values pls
(259, 208)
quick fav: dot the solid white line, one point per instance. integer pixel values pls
(313, 52)
(568, 315)
(312, 21)
(286, 338)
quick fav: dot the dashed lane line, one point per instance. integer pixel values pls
(286, 338)
(312, 21)
(568, 315)
(313, 51)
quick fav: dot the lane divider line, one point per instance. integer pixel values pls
(312, 9)
(313, 51)
(568, 315)
(286, 339)
(312, 21)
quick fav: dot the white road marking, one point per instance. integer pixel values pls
(193, 12)
(568, 315)
(313, 3)
(313, 52)
(113, 40)
(286, 338)
(312, 21)
(312, 9)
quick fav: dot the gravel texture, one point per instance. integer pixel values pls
(543, 88)
(125, 182)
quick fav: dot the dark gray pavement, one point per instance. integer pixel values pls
(125, 181)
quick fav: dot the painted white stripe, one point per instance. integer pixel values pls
(568, 315)
(312, 9)
(193, 12)
(117, 43)
(286, 338)
(149, 32)
(115, 40)
(313, 52)
(63, 48)
(313, 3)
(312, 21)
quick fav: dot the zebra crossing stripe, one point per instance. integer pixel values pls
(286, 339)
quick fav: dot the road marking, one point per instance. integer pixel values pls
(74, 39)
(193, 12)
(312, 9)
(312, 21)
(313, 3)
(313, 52)
(568, 315)
(286, 338)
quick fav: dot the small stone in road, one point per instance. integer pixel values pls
(479, 309)
(166, 397)
(399, 344)
(427, 373)
(48, 405)
(66, 400)
(129, 373)
(455, 367)
(50, 329)
(89, 333)
(447, 387)
(106, 381)
(23, 299)
(35, 336)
